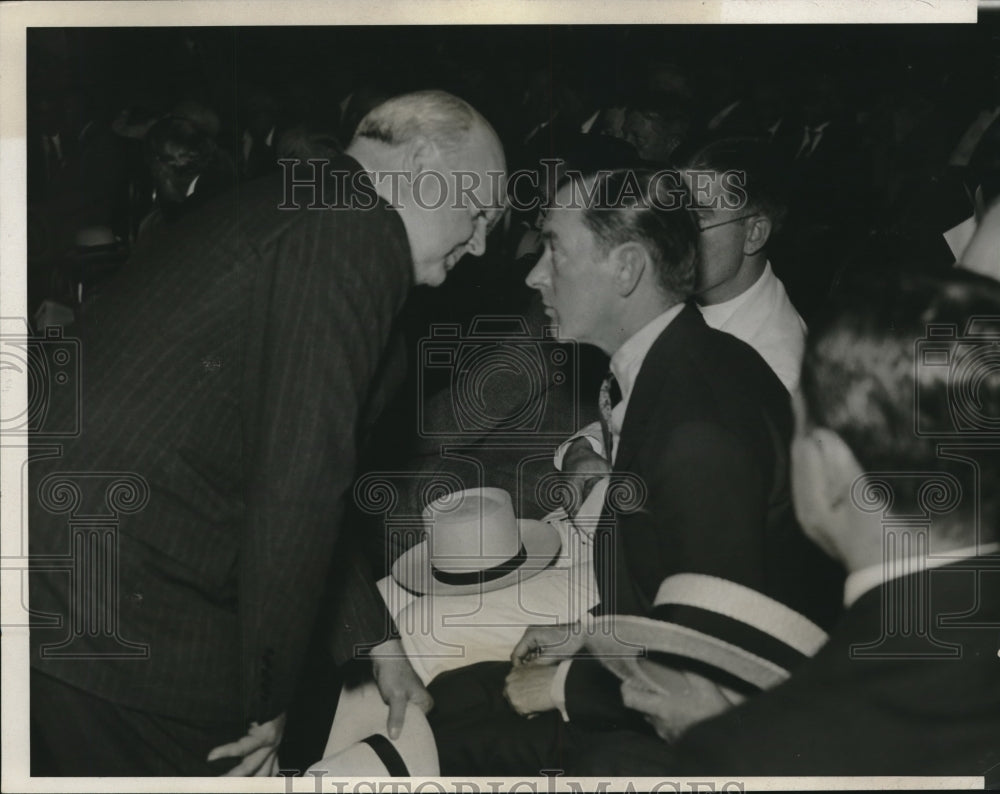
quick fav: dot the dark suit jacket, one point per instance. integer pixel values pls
(226, 370)
(895, 711)
(707, 433)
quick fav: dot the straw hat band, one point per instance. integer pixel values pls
(744, 605)
(484, 575)
(738, 634)
(387, 753)
(474, 544)
(744, 675)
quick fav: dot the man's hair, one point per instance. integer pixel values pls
(628, 211)
(180, 146)
(304, 142)
(764, 179)
(436, 115)
(895, 368)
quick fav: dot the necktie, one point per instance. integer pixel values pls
(607, 398)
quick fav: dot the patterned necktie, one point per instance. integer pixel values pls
(607, 398)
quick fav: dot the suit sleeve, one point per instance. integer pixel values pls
(324, 319)
(705, 512)
(594, 699)
(361, 619)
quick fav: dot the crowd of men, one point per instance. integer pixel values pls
(818, 503)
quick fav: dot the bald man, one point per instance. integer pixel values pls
(226, 372)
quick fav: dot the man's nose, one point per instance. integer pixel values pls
(538, 275)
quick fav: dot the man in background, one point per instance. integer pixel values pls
(906, 684)
(740, 202)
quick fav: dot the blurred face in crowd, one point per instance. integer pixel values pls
(653, 138)
(729, 231)
(573, 276)
(440, 231)
(173, 170)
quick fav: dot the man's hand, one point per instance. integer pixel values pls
(582, 468)
(691, 699)
(398, 684)
(547, 645)
(258, 749)
(529, 689)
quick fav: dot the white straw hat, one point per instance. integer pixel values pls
(358, 745)
(474, 544)
(732, 634)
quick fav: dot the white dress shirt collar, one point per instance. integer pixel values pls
(718, 314)
(862, 580)
(627, 360)
(626, 363)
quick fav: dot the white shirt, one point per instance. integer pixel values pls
(625, 365)
(862, 580)
(763, 316)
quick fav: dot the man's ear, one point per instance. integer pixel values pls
(629, 261)
(419, 155)
(757, 235)
(836, 465)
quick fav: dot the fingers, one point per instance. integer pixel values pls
(247, 744)
(397, 714)
(543, 645)
(530, 651)
(422, 699)
(525, 649)
(398, 684)
(397, 702)
(630, 695)
(257, 763)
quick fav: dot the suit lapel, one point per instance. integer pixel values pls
(652, 379)
(614, 579)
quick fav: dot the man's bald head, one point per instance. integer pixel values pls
(451, 164)
(437, 116)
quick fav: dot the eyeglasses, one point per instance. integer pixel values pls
(705, 228)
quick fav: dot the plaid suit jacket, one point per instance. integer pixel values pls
(222, 376)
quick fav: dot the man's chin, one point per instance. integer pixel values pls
(432, 275)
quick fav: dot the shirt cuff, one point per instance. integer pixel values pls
(557, 689)
(591, 432)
